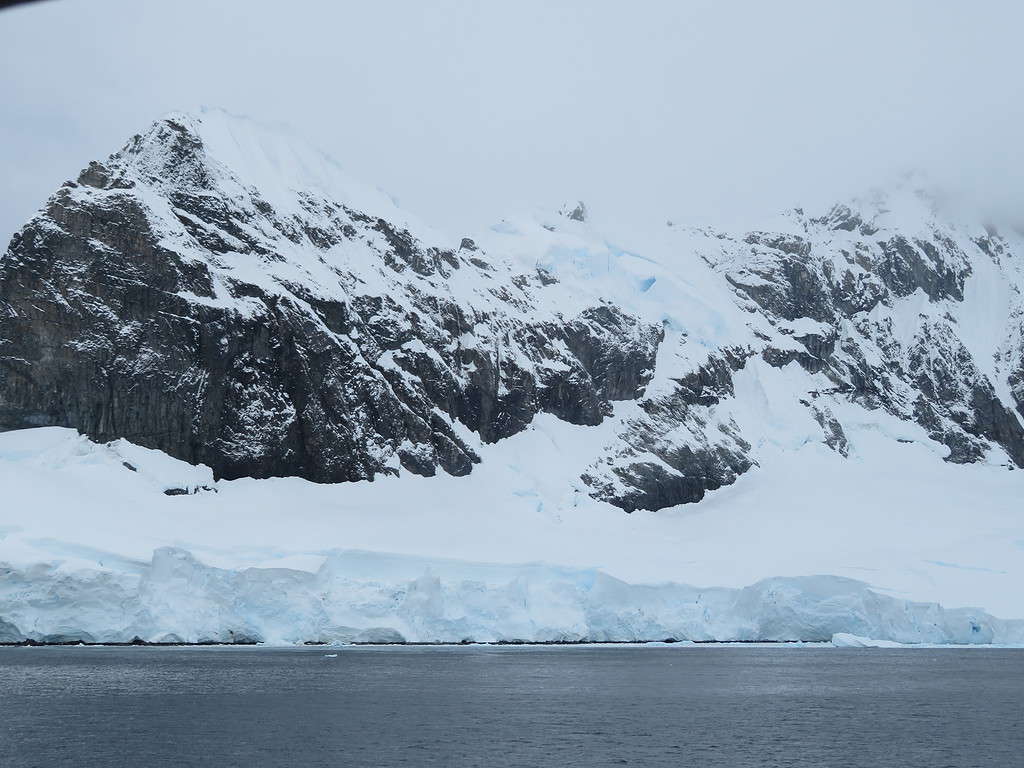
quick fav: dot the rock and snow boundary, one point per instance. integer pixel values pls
(226, 294)
(88, 559)
(841, 395)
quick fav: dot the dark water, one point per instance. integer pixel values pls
(668, 706)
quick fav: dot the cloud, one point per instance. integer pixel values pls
(695, 111)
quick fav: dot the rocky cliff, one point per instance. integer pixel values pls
(162, 297)
(228, 296)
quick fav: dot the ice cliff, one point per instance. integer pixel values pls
(372, 597)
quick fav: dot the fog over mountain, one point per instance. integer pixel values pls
(698, 111)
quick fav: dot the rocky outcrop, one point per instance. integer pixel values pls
(161, 298)
(888, 312)
(679, 446)
(214, 292)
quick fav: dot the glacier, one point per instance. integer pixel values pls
(365, 597)
(84, 556)
(824, 421)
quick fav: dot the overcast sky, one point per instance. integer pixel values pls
(716, 111)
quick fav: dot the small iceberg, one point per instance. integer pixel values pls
(846, 640)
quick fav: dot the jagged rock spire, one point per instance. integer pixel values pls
(575, 213)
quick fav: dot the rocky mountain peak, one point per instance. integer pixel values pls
(206, 294)
(226, 294)
(577, 212)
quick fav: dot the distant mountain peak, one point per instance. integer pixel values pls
(574, 211)
(213, 149)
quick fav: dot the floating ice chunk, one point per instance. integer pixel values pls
(846, 640)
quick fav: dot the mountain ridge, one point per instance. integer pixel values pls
(190, 298)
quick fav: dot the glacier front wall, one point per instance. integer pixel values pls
(373, 597)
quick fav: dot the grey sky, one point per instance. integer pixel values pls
(716, 111)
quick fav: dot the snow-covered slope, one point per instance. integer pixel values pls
(86, 525)
(889, 304)
(225, 294)
(841, 395)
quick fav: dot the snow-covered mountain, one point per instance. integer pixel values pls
(230, 297)
(219, 294)
(223, 294)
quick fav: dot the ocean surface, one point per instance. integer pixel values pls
(512, 706)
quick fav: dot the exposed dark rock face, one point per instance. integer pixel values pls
(857, 281)
(216, 308)
(835, 438)
(160, 299)
(576, 213)
(677, 448)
